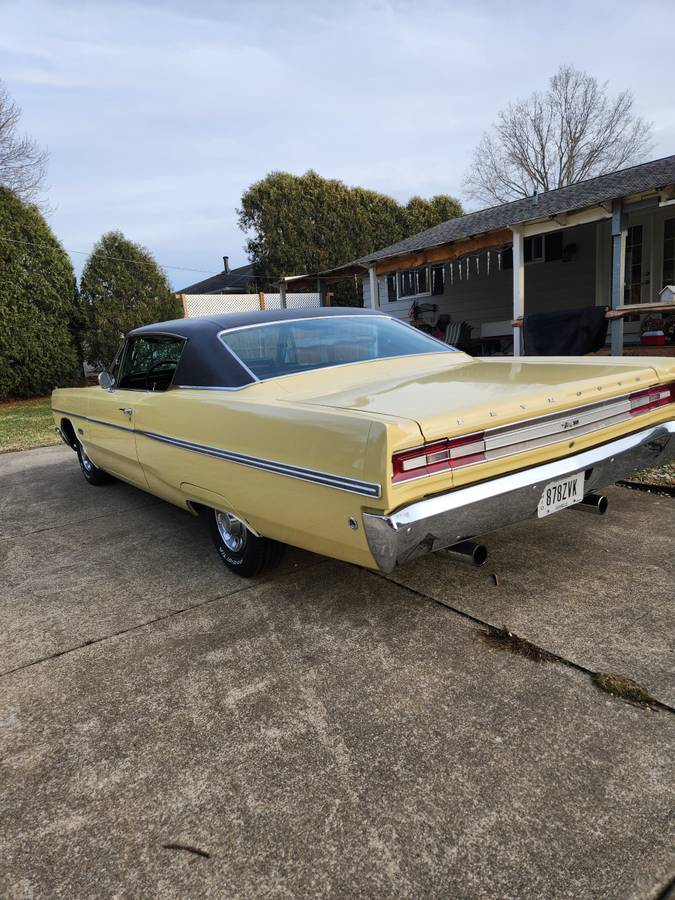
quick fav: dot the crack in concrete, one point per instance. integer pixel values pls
(132, 628)
(114, 512)
(492, 629)
(666, 892)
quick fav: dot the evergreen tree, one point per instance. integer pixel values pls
(39, 314)
(306, 223)
(121, 288)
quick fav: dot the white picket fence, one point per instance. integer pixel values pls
(211, 304)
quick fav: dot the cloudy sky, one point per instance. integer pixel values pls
(158, 115)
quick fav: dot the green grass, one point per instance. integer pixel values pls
(25, 424)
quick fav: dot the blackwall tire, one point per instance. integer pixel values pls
(92, 473)
(239, 549)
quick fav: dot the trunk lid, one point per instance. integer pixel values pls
(460, 395)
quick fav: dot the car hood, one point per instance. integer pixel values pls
(458, 395)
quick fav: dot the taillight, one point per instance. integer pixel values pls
(652, 398)
(438, 456)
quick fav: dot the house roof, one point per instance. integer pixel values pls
(603, 188)
(235, 280)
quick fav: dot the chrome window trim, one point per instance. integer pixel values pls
(239, 361)
(302, 319)
(447, 348)
(211, 387)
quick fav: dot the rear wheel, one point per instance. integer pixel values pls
(241, 550)
(91, 472)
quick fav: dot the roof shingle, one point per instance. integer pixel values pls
(603, 188)
(233, 281)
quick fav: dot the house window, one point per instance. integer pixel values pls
(392, 293)
(669, 252)
(534, 248)
(543, 247)
(437, 279)
(632, 292)
(554, 246)
(413, 282)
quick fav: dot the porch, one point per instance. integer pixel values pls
(608, 242)
(565, 266)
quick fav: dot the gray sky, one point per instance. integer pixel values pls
(157, 116)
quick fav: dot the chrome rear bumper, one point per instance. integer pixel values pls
(446, 519)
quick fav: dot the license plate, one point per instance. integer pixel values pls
(561, 493)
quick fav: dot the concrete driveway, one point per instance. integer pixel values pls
(168, 729)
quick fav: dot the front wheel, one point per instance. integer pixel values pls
(91, 472)
(241, 550)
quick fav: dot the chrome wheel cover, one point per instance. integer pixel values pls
(87, 464)
(232, 531)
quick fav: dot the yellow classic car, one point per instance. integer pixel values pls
(351, 434)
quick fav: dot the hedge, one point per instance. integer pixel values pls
(40, 317)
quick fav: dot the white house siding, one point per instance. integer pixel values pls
(484, 297)
(583, 281)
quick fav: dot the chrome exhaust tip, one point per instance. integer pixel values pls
(593, 503)
(469, 552)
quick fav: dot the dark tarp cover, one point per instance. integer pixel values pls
(570, 332)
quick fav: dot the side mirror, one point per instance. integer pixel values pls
(106, 380)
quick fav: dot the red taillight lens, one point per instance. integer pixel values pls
(438, 457)
(652, 398)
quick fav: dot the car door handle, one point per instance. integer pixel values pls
(127, 410)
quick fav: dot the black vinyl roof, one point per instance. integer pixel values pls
(206, 361)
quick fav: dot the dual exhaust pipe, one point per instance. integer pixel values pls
(473, 554)
(593, 503)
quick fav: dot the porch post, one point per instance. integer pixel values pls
(618, 273)
(518, 284)
(282, 294)
(374, 292)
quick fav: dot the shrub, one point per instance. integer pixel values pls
(39, 312)
(121, 288)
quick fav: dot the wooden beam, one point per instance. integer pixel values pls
(261, 300)
(444, 252)
(566, 221)
(630, 309)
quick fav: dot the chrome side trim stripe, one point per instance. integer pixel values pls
(340, 483)
(65, 412)
(351, 485)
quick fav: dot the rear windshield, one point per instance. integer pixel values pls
(300, 345)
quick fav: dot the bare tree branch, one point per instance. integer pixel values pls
(574, 131)
(23, 164)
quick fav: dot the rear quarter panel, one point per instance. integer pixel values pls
(255, 423)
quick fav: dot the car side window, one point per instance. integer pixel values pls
(114, 368)
(150, 362)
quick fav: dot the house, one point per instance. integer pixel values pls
(608, 241)
(229, 281)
